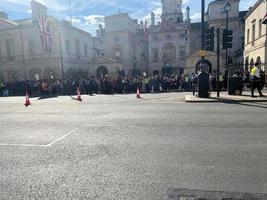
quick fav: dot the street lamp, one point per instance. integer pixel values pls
(227, 9)
(61, 51)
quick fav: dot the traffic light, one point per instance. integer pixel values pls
(209, 39)
(230, 60)
(227, 39)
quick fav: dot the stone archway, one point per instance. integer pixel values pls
(207, 66)
(101, 71)
(251, 62)
(12, 76)
(34, 75)
(49, 74)
(246, 65)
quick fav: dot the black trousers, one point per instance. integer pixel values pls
(256, 84)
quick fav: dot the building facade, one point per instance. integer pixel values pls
(123, 45)
(168, 41)
(42, 48)
(256, 36)
(122, 40)
(216, 17)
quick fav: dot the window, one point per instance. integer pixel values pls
(155, 54)
(248, 36)
(169, 37)
(77, 48)
(260, 28)
(143, 56)
(182, 53)
(10, 49)
(31, 47)
(253, 34)
(67, 46)
(169, 52)
(116, 53)
(182, 35)
(116, 39)
(85, 50)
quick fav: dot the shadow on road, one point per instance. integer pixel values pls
(255, 103)
(47, 97)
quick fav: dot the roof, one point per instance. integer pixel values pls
(24, 21)
(242, 14)
(9, 22)
(253, 8)
(196, 25)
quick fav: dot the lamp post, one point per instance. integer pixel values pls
(227, 9)
(61, 51)
(202, 32)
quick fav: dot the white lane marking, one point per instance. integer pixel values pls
(57, 140)
(61, 138)
(23, 145)
(76, 129)
(99, 125)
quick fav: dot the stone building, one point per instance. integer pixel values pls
(168, 41)
(122, 40)
(142, 48)
(256, 36)
(216, 17)
(55, 51)
(123, 45)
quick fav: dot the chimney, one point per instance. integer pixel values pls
(152, 19)
(188, 14)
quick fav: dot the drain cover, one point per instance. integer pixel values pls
(186, 194)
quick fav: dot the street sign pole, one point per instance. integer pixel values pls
(218, 62)
(202, 32)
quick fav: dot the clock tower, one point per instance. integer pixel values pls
(172, 11)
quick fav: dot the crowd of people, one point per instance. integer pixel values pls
(104, 85)
(110, 85)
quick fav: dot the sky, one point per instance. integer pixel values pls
(88, 14)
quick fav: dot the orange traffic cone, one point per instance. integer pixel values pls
(138, 94)
(79, 98)
(27, 100)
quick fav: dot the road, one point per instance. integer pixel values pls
(119, 147)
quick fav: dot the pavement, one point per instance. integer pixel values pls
(120, 147)
(224, 97)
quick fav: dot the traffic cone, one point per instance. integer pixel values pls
(79, 98)
(138, 94)
(27, 100)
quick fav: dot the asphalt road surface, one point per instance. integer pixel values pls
(123, 148)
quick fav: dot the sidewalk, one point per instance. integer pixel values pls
(224, 97)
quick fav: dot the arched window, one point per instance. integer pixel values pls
(12, 76)
(117, 53)
(169, 52)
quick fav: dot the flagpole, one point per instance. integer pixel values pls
(70, 12)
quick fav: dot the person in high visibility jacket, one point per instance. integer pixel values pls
(255, 80)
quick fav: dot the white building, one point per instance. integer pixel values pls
(169, 40)
(22, 52)
(256, 36)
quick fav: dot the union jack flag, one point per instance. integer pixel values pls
(46, 36)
